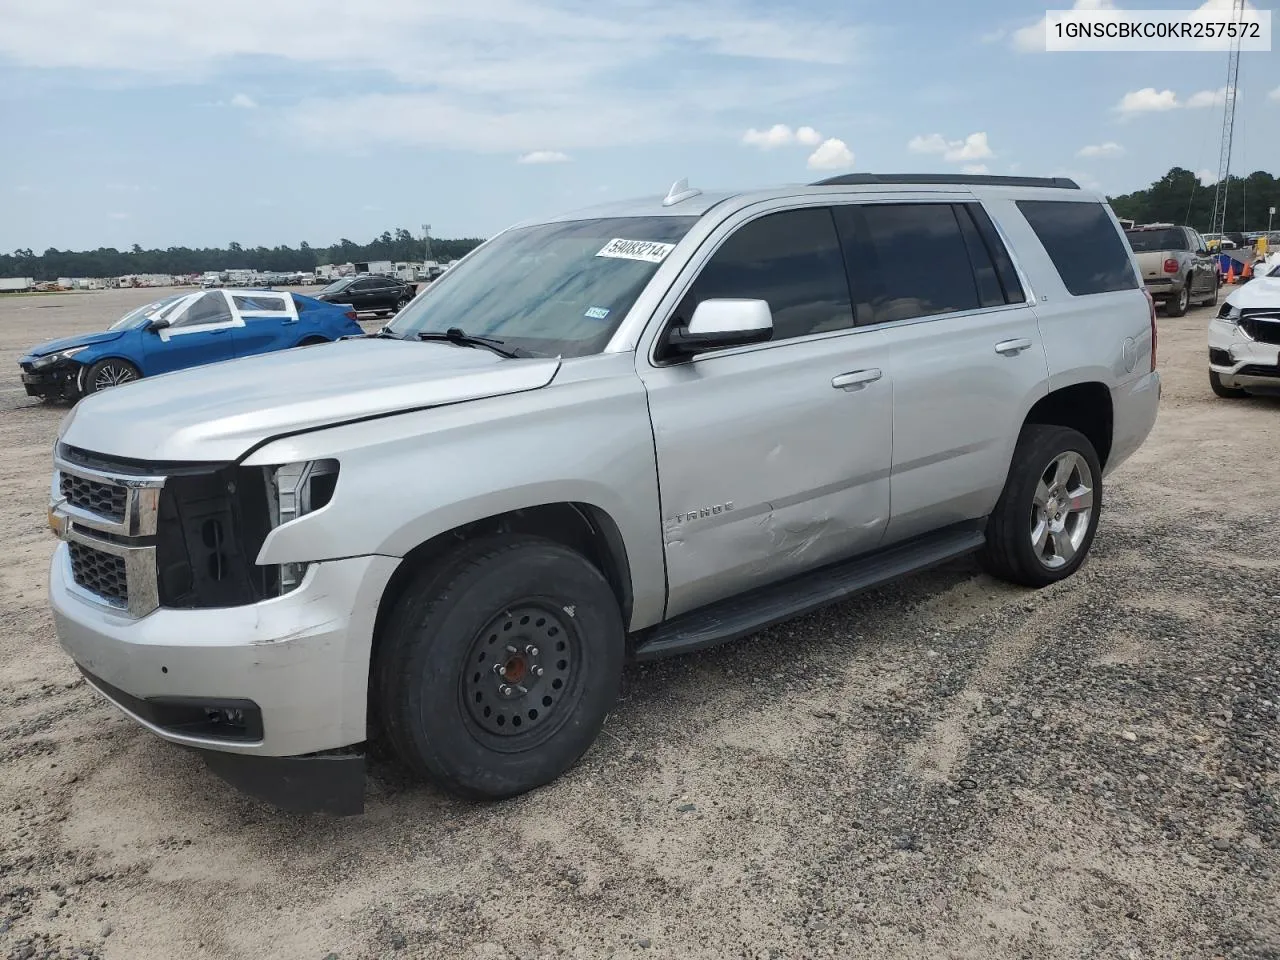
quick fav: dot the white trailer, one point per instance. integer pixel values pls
(16, 284)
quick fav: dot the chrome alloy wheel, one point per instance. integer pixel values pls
(112, 375)
(1061, 509)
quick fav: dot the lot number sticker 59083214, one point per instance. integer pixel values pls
(648, 250)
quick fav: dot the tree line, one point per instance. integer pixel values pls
(1179, 197)
(399, 244)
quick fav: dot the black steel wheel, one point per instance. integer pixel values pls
(525, 681)
(111, 372)
(498, 666)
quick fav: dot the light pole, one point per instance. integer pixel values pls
(426, 235)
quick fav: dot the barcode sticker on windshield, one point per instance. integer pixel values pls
(648, 250)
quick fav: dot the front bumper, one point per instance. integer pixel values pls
(297, 666)
(1241, 362)
(60, 381)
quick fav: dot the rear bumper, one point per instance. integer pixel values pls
(1162, 288)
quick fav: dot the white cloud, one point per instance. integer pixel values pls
(1274, 94)
(808, 136)
(1206, 177)
(544, 156)
(1096, 150)
(994, 36)
(972, 147)
(244, 101)
(831, 155)
(776, 136)
(933, 143)
(1147, 100)
(1207, 98)
(975, 168)
(1033, 39)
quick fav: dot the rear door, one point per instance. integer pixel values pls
(201, 330)
(270, 322)
(967, 358)
(772, 458)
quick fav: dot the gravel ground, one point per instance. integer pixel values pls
(946, 768)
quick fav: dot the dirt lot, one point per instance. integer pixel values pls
(948, 768)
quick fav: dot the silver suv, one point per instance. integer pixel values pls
(624, 433)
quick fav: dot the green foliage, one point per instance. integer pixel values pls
(1178, 197)
(178, 261)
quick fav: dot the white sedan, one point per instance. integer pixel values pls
(1244, 338)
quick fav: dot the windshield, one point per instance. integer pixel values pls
(138, 317)
(339, 285)
(1143, 241)
(555, 289)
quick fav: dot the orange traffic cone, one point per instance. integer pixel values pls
(1247, 272)
(1231, 273)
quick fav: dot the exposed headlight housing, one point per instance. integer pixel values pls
(293, 491)
(49, 360)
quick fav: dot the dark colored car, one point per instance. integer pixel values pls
(180, 331)
(370, 293)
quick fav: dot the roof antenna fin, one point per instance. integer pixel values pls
(680, 190)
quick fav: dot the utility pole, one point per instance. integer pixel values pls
(1218, 224)
(426, 234)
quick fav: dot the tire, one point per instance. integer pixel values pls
(1227, 393)
(109, 372)
(400, 305)
(437, 682)
(1022, 547)
(1177, 306)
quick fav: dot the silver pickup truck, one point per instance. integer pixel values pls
(1177, 267)
(622, 433)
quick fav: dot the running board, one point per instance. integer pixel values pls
(752, 612)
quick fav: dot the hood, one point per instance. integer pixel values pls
(66, 343)
(1258, 292)
(220, 410)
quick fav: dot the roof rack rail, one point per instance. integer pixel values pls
(856, 179)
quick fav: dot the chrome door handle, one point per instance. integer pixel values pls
(855, 379)
(1011, 348)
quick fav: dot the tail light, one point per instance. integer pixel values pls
(1151, 307)
(1171, 265)
(351, 315)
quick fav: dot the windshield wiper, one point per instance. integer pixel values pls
(456, 335)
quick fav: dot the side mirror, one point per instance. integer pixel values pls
(717, 324)
(158, 324)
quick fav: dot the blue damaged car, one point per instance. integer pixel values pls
(180, 331)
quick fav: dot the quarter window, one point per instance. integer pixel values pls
(260, 303)
(792, 260)
(907, 260)
(1083, 243)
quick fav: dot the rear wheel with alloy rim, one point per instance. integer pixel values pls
(498, 666)
(1180, 303)
(111, 372)
(1044, 523)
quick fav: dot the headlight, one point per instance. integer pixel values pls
(48, 361)
(1229, 313)
(293, 491)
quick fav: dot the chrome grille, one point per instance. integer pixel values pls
(1263, 325)
(101, 573)
(104, 499)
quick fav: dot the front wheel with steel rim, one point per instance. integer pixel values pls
(498, 666)
(111, 372)
(1044, 522)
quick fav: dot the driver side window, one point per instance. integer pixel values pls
(791, 259)
(209, 309)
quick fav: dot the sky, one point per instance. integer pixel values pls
(190, 123)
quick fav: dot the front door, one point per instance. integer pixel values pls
(773, 458)
(200, 331)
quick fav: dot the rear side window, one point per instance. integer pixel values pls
(1083, 244)
(906, 260)
(260, 303)
(791, 259)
